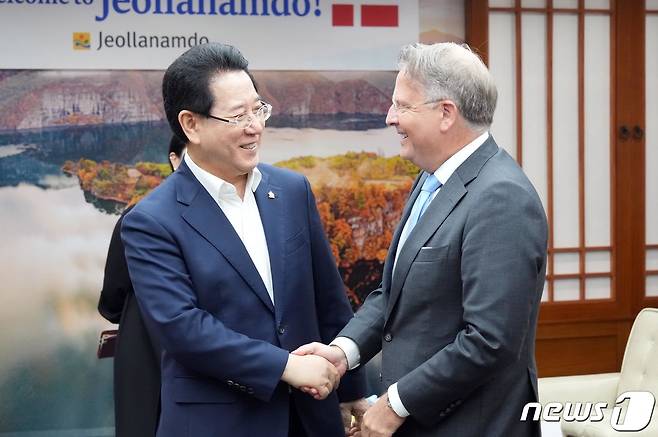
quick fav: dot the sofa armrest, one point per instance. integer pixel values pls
(601, 387)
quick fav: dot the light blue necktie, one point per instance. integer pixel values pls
(423, 200)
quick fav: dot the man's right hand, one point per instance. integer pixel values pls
(333, 354)
(316, 375)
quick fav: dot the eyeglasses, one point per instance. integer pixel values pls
(244, 121)
(403, 109)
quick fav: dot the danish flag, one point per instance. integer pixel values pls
(371, 15)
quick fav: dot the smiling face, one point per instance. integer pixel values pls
(416, 122)
(227, 151)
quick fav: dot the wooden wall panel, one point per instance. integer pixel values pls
(581, 348)
(477, 27)
(584, 355)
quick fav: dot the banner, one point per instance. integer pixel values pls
(149, 34)
(69, 135)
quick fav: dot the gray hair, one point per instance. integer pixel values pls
(453, 72)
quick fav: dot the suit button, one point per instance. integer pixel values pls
(250, 391)
(230, 383)
(388, 336)
(381, 378)
(282, 330)
(442, 414)
(243, 388)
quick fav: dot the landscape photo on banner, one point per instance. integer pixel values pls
(79, 144)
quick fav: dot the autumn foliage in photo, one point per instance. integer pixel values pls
(118, 182)
(360, 198)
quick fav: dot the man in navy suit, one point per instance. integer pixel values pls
(232, 270)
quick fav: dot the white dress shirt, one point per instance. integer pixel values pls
(443, 173)
(242, 214)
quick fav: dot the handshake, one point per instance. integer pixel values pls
(315, 369)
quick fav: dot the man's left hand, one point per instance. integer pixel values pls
(380, 420)
(354, 409)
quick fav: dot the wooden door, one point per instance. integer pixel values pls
(571, 110)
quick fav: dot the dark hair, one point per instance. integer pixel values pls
(186, 83)
(176, 146)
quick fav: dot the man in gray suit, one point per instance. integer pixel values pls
(456, 313)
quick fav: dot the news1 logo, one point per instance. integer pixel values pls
(638, 412)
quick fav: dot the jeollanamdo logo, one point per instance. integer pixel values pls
(81, 40)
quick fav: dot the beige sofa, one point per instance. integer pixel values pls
(639, 373)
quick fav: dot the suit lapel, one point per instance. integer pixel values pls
(436, 213)
(271, 207)
(390, 257)
(439, 209)
(207, 218)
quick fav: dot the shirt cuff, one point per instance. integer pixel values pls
(396, 402)
(350, 349)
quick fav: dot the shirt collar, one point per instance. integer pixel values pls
(446, 169)
(217, 187)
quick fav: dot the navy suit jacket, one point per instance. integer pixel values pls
(225, 343)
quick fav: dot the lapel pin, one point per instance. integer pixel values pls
(271, 195)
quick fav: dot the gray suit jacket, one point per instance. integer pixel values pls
(456, 320)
